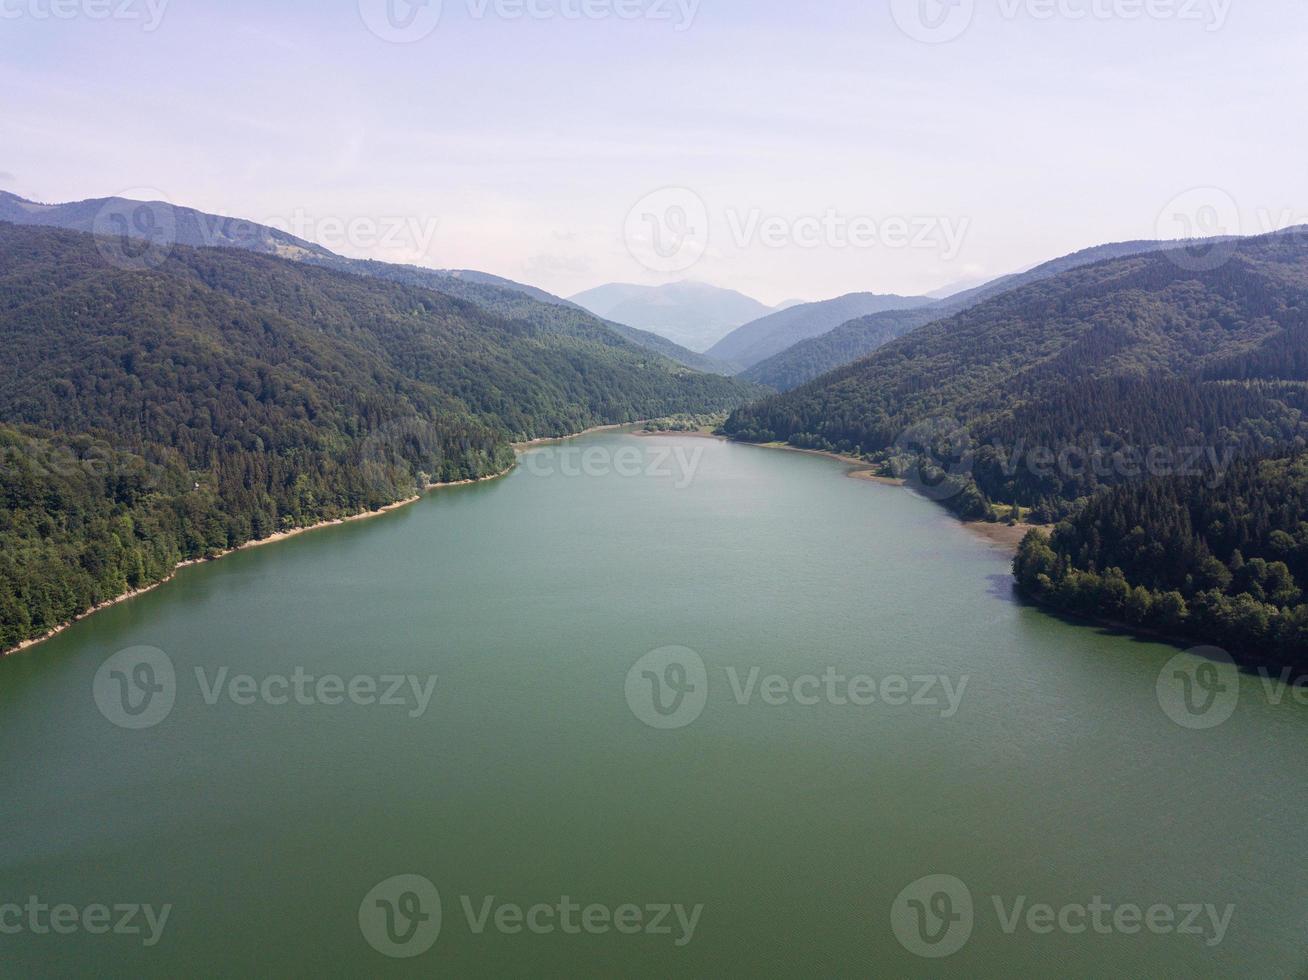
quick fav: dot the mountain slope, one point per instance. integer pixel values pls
(1105, 362)
(515, 301)
(760, 339)
(169, 224)
(167, 414)
(158, 220)
(849, 341)
(693, 314)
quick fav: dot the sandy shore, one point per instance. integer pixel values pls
(1005, 535)
(271, 539)
(294, 532)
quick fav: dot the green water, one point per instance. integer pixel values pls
(531, 775)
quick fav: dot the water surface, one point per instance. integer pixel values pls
(531, 775)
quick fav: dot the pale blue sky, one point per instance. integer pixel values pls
(519, 146)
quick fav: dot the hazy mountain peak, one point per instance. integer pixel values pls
(691, 313)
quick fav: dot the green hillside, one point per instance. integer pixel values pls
(858, 337)
(226, 395)
(1045, 394)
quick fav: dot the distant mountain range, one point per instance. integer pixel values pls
(1106, 360)
(760, 339)
(692, 314)
(807, 359)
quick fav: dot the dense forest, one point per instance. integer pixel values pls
(172, 224)
(858, 337)
(1222, 563)
(226, 395)
(1099, 376)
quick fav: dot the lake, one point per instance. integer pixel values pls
(645, 707)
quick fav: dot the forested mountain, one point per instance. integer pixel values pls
(168, 224)
(515, 301)
(225, 395)
(158, 221)
(1224, 563)
(856, 338)
(692, 314)
(1050, 392)
(760, 339)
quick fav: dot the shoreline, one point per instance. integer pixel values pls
(273, 538)
(280, 536)
(1005, 536)
(519, 447)
(1000, 535)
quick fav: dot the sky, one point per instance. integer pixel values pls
(789, 150)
